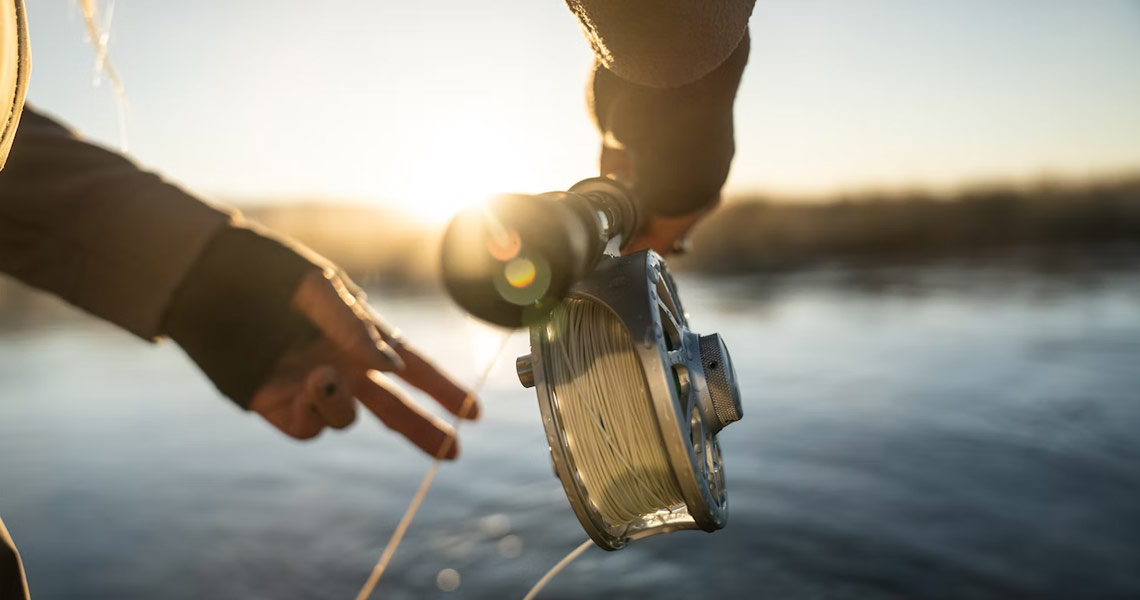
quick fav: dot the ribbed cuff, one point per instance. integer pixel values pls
(232, 313)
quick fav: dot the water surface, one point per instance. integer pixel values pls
(944, 433)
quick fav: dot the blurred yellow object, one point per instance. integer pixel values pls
(15, 63)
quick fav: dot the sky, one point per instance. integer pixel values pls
(435, 105)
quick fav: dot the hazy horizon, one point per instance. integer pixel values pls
(437, 105)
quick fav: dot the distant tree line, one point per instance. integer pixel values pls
(758, 234)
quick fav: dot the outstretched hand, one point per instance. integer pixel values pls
(320, 384)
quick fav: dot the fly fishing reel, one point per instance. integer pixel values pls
(631, 399)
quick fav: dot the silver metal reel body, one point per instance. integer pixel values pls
(691, 384)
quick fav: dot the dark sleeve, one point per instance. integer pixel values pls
(90, 226)
(124, 245)
(663, 43)
(681, 139)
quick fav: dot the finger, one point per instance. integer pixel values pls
(330, 398)
(323, 298)
(662, 234)
(422, 374)
(301, 420)
(392, 406)
(276, 402)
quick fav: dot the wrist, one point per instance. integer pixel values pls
(233, 313)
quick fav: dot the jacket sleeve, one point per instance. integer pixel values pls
(663, 90)
(124, 245)
(88, 225)
(663, 43)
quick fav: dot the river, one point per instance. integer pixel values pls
(945, 432)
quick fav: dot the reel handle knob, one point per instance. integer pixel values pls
(524, 366)
(720, 376)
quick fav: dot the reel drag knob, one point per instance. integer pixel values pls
(720, 377)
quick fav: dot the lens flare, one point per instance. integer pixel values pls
(520, 273)
(505, 245)
(523, 280)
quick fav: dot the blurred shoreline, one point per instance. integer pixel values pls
(1033, 226)
(1061, 229)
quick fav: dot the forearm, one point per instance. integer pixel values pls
(124, 245)
(90, 226)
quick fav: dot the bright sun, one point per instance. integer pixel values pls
(469, 164)
(461, 160)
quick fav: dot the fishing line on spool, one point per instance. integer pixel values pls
(608, 419)
(607, 413)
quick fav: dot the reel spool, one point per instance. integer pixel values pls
(679, 391)
(631, 399)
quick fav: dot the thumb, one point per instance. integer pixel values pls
(326, 301)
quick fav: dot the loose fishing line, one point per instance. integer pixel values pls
(429, 477)
(99, 35)
(557, 568)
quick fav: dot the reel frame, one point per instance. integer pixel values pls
(639, 290)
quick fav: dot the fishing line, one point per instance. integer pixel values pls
(556, 569)
(607, 414)
(99, 36)
(421, 492)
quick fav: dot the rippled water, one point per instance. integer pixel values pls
(952, 432)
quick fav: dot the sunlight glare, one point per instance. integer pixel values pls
(463, 160)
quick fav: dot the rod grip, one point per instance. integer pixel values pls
(509, 262)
